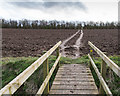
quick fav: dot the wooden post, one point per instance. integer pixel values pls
(103, 73)
(57, 55)
(90, 65)
(45, 73)
(111, 77)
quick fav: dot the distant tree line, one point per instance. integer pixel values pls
(42, 24)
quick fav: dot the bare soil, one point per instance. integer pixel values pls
(105, 39)
(32, 42)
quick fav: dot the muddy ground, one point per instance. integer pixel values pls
(32, 42)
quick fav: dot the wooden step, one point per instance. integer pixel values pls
(66, 68)
(73, 87)
(73, 79)
(73, 76)
(76, 71)
(73, 82)
(94, 91)
(78, 74)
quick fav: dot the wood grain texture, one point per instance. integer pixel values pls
(45, 82)
(11, 87)
(108, 61)
(102, 81)
(73, 79)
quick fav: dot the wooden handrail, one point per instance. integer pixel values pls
(109, 62)
(102, 75)
(21, 78)
(44, 84)
(102, 81)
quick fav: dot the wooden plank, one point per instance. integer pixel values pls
(63, 73)
(67, 68)
(103, 73)
(80, 68)
(73, 65)
(43, 86)
(74, 79)
(103, 69)
(107, 90)
(20, 79)
(69, 87)
(78, 84)
(73, 76)
(73, 92)
(79, 72)
(109, 62)
(75, 69)
(71, 80)
(45, 73)
(72, 71)
(57, 53)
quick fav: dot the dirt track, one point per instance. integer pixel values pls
(72, 49)
(32, 42)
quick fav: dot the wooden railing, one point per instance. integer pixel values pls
(20, 79)
(102, 76)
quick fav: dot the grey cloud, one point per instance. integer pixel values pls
(47, 5)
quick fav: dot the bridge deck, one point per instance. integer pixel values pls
(74, 79)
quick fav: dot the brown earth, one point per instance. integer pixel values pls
(105, 39)
(73, 40)
(32, 42)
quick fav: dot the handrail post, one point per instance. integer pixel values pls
(115, 68)
(103, 73)
(90, 65)
(45, 73)
(57, 55)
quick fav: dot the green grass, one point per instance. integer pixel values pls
(83, 59)
(115, 84)
(14, 66)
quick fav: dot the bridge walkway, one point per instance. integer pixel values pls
(74, 79)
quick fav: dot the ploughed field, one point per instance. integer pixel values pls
(33, 42)
(105, 39)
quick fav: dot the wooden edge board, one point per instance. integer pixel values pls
(21, 78)
(40, 91)
(107, 90)
(109, 62)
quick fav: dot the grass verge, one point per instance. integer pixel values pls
(14, 66)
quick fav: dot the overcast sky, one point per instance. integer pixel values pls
(74, 10)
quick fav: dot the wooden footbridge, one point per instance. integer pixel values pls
(74, 79)
(70, 78)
